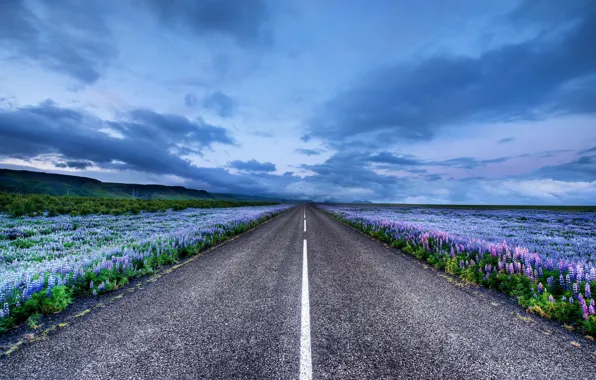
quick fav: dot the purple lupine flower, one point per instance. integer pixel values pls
(588, 291)
(551, 298)
(540, 288)
(591, 310)
(575, 288)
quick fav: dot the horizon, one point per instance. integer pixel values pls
(422, 104)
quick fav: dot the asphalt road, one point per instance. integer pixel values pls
(238, 312)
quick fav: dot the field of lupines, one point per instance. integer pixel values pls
(544, 259)
(47, 261)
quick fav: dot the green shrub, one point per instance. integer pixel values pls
(59, 299)
(35, 204)
(33, 321)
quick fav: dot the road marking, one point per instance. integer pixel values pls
(304, 225)
(305, 358)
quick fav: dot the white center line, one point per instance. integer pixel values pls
(305, 358)
(304, 225)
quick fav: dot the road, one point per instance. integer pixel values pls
(354, 309)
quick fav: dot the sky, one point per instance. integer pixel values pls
(465, 102)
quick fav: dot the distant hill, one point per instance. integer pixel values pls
(29, 182)
(362, 202)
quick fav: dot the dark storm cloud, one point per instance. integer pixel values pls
(172, 129)
(244, 21)
(553, 72)
(220, 103)
(252, 166)
(148, 144)
(308, 152)
(70, 38)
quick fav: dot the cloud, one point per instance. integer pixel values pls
(581, 169)
(506, 140)
(190, 100)
(413, 101)
(308, 152)
(252, 166)
(67, 36)
(80, 165)
(389, 158)
(547, 189)
(243, 21)
(348, 171)
(265, 134)
(220, 103)
(409, 161)
(146, 141)
(172, 129)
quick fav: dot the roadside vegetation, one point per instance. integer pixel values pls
(47, 262)
(36, 204)
(543, 259)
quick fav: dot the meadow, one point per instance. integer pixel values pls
(51, 205)
(544, 259)
(47, 261)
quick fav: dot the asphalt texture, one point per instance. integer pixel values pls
(234, 313)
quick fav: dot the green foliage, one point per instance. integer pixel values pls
(61, 296)
(33, 321)
(517, 286)
(590, 325)
(35, 204)
(59, 299)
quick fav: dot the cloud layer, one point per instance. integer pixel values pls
(553, 72)
(421, 103)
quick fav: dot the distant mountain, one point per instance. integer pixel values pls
(29, 182)
(362, 202)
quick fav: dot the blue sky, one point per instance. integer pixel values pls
(387, 101)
